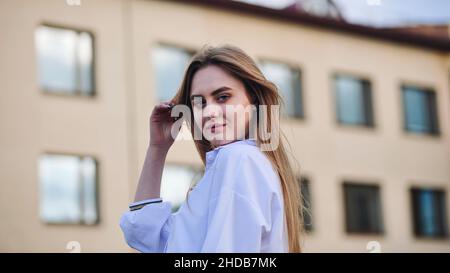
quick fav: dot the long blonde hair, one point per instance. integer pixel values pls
(235, 61)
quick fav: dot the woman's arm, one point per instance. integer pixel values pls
(147, 229)
(160, 141)
(149, 185)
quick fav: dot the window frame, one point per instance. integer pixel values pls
(96, 189)
(367, 103)
(187, 49)
(76, 93)
(292, 66)
(380, 229)
(416, 230)
(432, 103)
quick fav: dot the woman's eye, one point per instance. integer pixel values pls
(222, 98)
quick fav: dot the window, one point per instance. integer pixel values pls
(65, 60)
(429, 213)
(68, 189)
(306, 199)
(288, 81)
(169, 63)
(176, 182)
(420, 110)
(362, 208)
(353, 101)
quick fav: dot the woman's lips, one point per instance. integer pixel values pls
(217, 127)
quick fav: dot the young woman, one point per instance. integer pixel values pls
(248, 199)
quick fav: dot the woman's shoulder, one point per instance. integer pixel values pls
(242, 155)
(246, 170)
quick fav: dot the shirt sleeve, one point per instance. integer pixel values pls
(239, 215)
(147, 229)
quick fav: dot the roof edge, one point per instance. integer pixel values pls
(403, 37)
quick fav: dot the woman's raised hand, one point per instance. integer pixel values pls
(161, 126)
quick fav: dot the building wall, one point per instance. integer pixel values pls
(114, 126)
(33, 123)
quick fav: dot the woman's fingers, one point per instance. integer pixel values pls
(162, 107)
(161, 112)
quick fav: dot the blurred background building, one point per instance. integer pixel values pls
(366, 113)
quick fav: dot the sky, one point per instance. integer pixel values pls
(383, 13)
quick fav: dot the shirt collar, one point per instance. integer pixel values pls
(211, 155)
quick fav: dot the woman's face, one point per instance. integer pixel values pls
(220, 104)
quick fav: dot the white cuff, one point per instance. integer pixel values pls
(151, 200)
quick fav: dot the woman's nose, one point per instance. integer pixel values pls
(212, 111)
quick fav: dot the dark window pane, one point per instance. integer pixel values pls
(429, 213)
(288, 81)
(68, 189)
(297, 101)
(306, 198)
(363, 208)
(65, 60)
(368, 104)
(353, 101)
(169, 64)
(420, 110)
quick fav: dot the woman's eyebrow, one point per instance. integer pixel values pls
(218, 90)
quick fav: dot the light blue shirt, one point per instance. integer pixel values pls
(237, 206)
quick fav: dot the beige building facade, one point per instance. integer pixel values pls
(111, 126)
